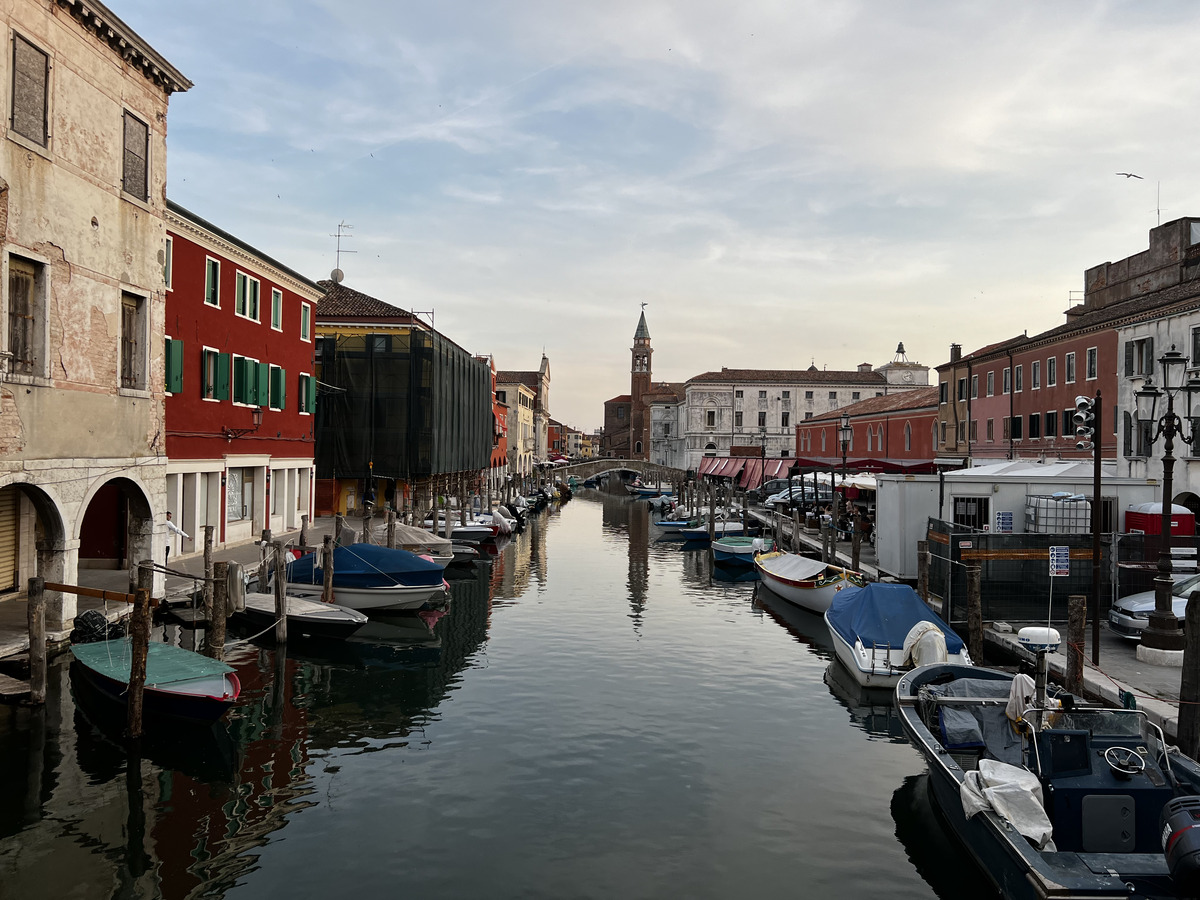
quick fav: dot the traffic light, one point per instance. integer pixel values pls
(1085, 423)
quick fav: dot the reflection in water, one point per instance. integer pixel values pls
(639, 559)
(806, 627)
(871, 709)
(935, 853)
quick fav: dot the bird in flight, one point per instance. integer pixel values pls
(1130, 175)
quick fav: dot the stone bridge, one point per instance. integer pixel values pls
(651, 473)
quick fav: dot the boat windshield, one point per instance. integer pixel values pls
(1112, 722)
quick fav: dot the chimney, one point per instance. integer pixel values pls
(955, 352)
(864, 367)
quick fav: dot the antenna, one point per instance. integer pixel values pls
(1158, 202)
(342, 232)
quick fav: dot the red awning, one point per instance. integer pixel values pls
(752, 474)
(709, 463)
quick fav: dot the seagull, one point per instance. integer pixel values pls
(1130, 175)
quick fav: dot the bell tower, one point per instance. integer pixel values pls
(639, 387)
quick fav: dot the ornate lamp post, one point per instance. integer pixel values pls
(845, 436)
(1163, 631)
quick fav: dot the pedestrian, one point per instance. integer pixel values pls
(172, 528)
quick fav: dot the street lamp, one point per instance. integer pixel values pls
(1163, 632)
(845, 436)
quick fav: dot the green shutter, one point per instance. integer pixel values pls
(262, 384)
(221, 388)
(312, 394)
(243, 380)
(174, 366)
(278, 387)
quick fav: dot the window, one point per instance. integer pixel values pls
(972, 512)
(277, 309)
(135, 177)
(1093, 366)
(960, 435)
(991, 384)
(943, 392)
(666, 429)
(944, 424)
(133, 342)
(1070, 362)
(1051, 423)
(737, 419)
(833, 395)
(173, 366)
(991, 430)
(1020, 380)
(26, 316)
(710, 418)
(808, 415)
(1035, 425)
(1006, 428)
(278, 388)
(762, 395)
(785, 419)
(1195, 361)
(1007, 381)
(212, 281)
(855, 395)
(1017, 427)
(168, 263)
(737, 394)
(30, 91)
(974, 430)
(245, 296)
(250, 381)
(1052, 371)
(216, 375)
(710, 449)
(306, 396)
(808, 395)
(787, 395)
(1139, 355)
(502, 396)
(974, 387)
(1035, 374)
(962, 389)
(620, 412)
(305, 312)
(907, 436)
(762, 420)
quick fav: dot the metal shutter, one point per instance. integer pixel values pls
(9, 507)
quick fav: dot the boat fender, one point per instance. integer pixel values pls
(1180, 823)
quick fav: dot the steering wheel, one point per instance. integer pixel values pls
(1123, 761)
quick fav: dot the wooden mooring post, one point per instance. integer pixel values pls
(139, 648)
(855, 545)
(208, 572)
(923, 570)
(280, 596)
(214, 635)
(264, 557)
(327, 570)
(1076, 629)
(391, 529)
(975, 613)
(37, 641)
(304, 531)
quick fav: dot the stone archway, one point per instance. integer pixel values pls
(1191, 501)
(39, 545)
(116, 526)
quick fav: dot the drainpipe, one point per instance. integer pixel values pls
(1012, 393)
(970, 375)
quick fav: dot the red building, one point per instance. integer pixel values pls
(892, 433)
(498, 467)
(240, 387)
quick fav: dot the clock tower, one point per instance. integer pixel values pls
(639, 387)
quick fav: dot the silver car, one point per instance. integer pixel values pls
(1129, 615)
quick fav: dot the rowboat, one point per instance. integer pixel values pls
(740, 551)
(305, 617)
(179, 683)
(805, 582)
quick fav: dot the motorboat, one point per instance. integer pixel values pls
(368, 577)
(880, 631)
(721, 528)
(424, 543)
(805, 582)
(1050, 797)
(471, 532)
(305, 617)
(179, 683)
(465, 554)
(735, 550)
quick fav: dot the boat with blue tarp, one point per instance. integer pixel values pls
(367, 576)
(882, 630)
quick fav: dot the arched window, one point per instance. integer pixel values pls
(870, 437)
(907, 437)
(710, 449)
(637, 447)
(879, 439)
(822, 440)
(933, 436)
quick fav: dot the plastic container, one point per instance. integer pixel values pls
(1038, 637)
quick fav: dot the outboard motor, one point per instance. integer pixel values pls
(1180, 825)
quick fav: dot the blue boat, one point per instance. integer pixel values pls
(367, 576)
(870, 626)
(731, 550)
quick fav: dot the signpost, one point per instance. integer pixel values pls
(1060, 562)
(1004, 521)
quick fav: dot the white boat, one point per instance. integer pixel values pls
(740, 551)
(808, 583)
(393, 596)
(724, 528)
(369, 577)
(472, 532)
(881, 631)
(307, 618)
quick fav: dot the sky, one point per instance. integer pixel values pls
(781, 183)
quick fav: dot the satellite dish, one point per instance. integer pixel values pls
(337, 275)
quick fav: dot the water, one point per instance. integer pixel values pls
(594, 717)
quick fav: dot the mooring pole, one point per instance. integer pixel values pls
(37, 641)
(975, 613)
(214, 637)
(1076, 631)
(264, 555)
(139, 648)
(207, 590)
(327, 570)
(280, 596)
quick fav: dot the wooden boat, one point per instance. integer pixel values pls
(806, 582)
(1054, 800)
(179, 683)
(875, 633)
(305, 617)
(368, 577)
(734, 550)
(730, 528)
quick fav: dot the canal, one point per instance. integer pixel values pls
(595, 716)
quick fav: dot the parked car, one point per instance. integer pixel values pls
(1129, 615)
(797, 498)
(758, 494)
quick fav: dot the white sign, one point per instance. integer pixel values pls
(1004, 521)
(1060, 561)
